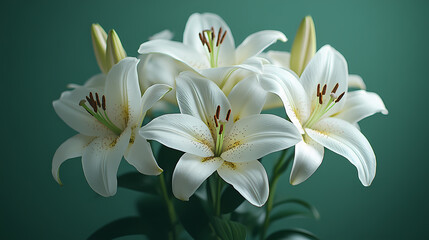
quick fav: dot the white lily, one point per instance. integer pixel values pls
(282, 59)
(221, 134)
(108, 119)
(208, 48)
(324, 112)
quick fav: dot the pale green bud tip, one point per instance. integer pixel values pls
(304, 45)
(114, 51)
(99, 38)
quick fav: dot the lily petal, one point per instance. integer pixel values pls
(152, 95)
(285, 84)
(249, 179)
(200, 97)
(68, 109)
(181, 132)
(344, 139)
(71, 148)
(278, 58)
(100, 162)
(199, 22)
(355, 81)
(190, 172)
(361, 104)
(165, 34)
(97, 81)
(139, 154)
(255, 136)
(308, 157)
(227, 77)
(159, 68)
(176, 50)
(247, 97)
(328, 67)
(256, 43)
(123, 94)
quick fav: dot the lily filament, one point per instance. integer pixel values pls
(212, 46)
(321, 109)
(96, 106)
(219, 124)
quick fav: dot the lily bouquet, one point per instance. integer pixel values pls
(197, 104)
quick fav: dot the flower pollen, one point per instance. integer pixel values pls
(100, 116)
(220, 130)
(207, 38)
(321, 109)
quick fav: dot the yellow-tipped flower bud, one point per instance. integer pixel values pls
(114, 51)
(99, 38)
(304, 46)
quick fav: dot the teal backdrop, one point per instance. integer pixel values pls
(46, 44)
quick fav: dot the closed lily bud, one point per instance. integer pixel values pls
(304, 46)
(99, 38)
(114, 50)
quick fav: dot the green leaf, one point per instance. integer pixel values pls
(292, 234)
(119, 228)
(228, 230)
(311, 211)
(194, 219)
(138, 182)
(230, 200)
(289, 213)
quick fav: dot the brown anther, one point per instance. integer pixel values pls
(82, 102)
(215, 120)
(221, 129)
(218, 36)
(91, 101)
(318, 90)
(335, 88)
(324, 89)
(95, 107)
(223, 37)
(228, 114)
(213, 34)
(209, 48)
(320, 99)
(339, 97)
(98, 100)
(201, 38)
(103, 102)
(217, 111)
(204, 38)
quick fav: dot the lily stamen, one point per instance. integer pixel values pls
(101, 117)
(220, 129)
(321, 109)
(209, 41)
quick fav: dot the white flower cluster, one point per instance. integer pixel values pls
(220, 90)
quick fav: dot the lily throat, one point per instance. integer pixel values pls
(98, 111)
(220, 131)
(323, 106)
(213, 43)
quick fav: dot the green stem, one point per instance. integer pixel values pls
(171, 212)
(218, 195)
(281, 161)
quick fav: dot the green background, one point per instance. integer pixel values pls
(46, 45)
